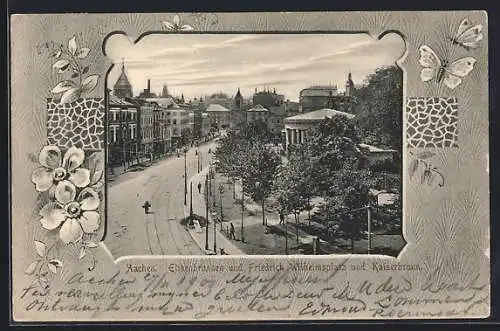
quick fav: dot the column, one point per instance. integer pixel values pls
(300, 137)
(295, 136)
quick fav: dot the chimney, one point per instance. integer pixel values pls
(149, 85)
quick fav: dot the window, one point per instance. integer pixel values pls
(113, 134)
(174, 121)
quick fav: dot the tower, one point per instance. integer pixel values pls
(238, 100)
(349, 85)
(164, 92)
(122, 87)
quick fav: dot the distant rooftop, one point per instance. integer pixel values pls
(317, 115)
(258, 108)
(216, 107)
(114, 100)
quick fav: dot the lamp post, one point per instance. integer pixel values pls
(206, 213)
(185, 176)
(198, 154)
(191, 200)
(214, 216)
(242, 210)
(221, 192)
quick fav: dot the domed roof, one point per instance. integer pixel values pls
(122, 81)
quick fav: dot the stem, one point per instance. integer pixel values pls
(440, 175)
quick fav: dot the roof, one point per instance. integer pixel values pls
(258, 108)
(114, 100)
(318, 91)
(216, 107)
(122, 80)
(317, 115)
(164, 102)
(373, 149)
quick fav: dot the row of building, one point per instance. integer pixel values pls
(150, 125)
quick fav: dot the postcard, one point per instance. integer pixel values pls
(249, 166)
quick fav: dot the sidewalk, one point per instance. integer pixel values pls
(199, 209)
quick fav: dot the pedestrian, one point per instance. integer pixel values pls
(282, 218)
(146, 207)
(232, 235)
(199, 187)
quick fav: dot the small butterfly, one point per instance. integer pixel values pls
(451, 74)
(468, 36)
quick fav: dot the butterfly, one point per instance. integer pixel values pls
(450, 73)
(468, 36)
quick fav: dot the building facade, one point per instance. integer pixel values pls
(220, 116)
(123, 135)
(161, 129)
(181, 126)
(258, 113)
(146, 126)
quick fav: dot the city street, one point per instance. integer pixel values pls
(130, 231)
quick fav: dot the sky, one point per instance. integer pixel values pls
(201, 64)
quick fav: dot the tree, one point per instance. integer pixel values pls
(260, 167)
(378, 106)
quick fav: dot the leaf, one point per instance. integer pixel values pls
(187, 28)
(83, 53)
(91, 244)
(71, 95)
(31, 268)
(425, 155)
(85, 70)
(89, 83)
(74, 75)
(52, 268)
(168, 25)
(413, 167)
(40, 248)
(63, 86)
(96, 177)
(82, 252)
(72, 45)
(61, 64)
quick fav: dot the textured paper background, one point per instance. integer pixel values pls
(446, 227)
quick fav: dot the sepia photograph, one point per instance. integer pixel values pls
(260, 144)
(267, 166)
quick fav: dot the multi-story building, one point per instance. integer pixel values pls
(220, 116)
(161, 129)
(319, 97)
(146, 126)
(268, 99)
(258, 113)
(123, 135)
(180, 123)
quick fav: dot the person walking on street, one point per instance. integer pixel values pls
(282, 218)
(199, 187)
(232, 231)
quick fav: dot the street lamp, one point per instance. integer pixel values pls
(214, 217)
(197, 153)
(206, 212)
(185, 176)
(221, 193)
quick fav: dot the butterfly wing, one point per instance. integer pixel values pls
(427, 74)
(464, 25)
(458, 69)
(451, 81)
(429, 59)
(461, 67)
(471, 37)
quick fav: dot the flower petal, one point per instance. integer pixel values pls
(72, 45)
(89, 199)
(90, 221)
(52, 216)
(177, 20)
(80, 177)
(73, 158)
(187, 28)
(42, 178)
(71, 231)
(168, 25)
(65, 192)
(50, 157)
